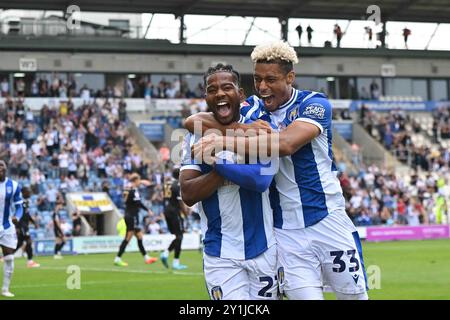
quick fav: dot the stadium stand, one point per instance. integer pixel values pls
(68, 150)
(62, 148)
(377, 195)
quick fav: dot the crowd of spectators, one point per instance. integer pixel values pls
(441, 123)
(394, 130)
(376, 196)
(138, 87)
(65, 149)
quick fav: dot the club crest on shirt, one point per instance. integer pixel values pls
(280, 275)
(315, 110)
(293, 114)
(216, 293)
(8, 189)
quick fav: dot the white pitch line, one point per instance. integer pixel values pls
(127, 271)
(82, 283)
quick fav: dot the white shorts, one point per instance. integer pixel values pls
(327, 253)
(253, 279)
(8, 237)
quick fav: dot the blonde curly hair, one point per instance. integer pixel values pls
(274, 51)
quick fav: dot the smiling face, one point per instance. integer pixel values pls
(223, 96)
(273, 84)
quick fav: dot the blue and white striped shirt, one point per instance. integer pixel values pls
(237, 223)
(306, 188)
(10, 195)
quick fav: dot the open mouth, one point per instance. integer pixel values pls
(268, 99)
(223, 109)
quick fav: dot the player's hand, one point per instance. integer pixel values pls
(150, 212)
(14, 220)
(204, 150)
(260, 126)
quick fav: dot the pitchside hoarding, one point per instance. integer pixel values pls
(157, 242)
(407, 233)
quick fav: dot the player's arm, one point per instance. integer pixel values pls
(184, 208)
(206, 121)
(176, 189)
(33, 221)
(296, 135)
(146, 183)
(255, 177)
(300, 132)
(313, 121)
(196, 186)
(143, 206)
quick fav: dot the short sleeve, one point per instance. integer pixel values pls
(317, 111)
(250, 108)
(18, 196)
(187, 163)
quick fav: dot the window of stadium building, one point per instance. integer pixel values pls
(59, 84)
(420, 88)
(439, 90)
(399, 87)
(369, 88)
(316, 84)
(192, 85)
(306, 83)
(334, 87)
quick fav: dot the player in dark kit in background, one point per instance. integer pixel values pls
(59, 234)
(173, 206)
(23, 235)
(132, 206)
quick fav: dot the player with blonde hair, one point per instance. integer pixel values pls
(317, 242)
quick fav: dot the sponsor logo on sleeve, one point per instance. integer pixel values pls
(315, 110)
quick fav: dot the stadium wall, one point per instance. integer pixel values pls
(198, 63)
(147, 107)
(110, 244)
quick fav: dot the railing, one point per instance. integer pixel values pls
(61, 28)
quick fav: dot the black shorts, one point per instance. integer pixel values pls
(22, 235)
(58, 233)
(132, 222)
(174, 221)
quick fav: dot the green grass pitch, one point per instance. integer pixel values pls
(408, 270)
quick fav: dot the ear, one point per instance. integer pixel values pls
(290, 77)
(241, 94)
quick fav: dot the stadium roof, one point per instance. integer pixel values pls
(391, 10)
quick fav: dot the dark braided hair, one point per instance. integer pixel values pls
(222, 68)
